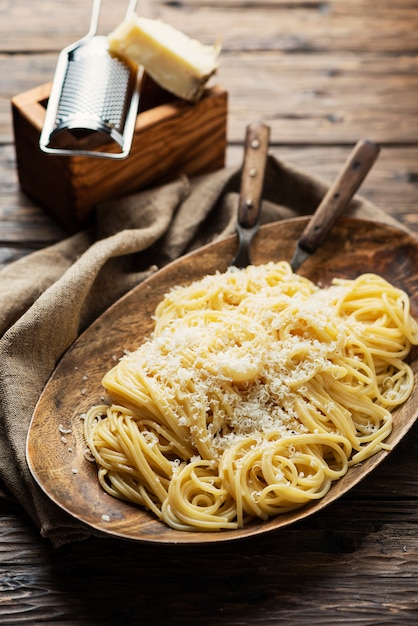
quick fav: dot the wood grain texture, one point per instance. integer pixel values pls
(299, 95)
(171, 139)
(338, 196)
(322, 74)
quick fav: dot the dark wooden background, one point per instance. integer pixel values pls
(322, 74)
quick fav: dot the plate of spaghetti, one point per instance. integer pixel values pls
(212, 403)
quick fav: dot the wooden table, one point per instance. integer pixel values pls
(322, 75)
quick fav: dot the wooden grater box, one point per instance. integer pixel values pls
(172, 137)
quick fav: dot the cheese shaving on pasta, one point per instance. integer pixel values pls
(257, 390)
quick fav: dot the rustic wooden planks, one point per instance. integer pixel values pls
(322, 74)
(368, 536)
(321, 26)
(333, 99)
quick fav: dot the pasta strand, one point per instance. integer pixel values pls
(257, 390)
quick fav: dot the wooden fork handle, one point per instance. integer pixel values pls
(252, 174)
(339, 194)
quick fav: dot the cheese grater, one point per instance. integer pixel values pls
(94, 98)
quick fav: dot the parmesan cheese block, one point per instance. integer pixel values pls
(177, 63)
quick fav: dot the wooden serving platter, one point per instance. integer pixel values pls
(55, 444)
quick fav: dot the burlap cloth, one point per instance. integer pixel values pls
(49, 297)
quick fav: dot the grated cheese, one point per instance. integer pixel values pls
(243, 353)
(255, 392)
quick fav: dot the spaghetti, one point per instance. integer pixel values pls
(257, 390)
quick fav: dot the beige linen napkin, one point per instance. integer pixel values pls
(49, 297)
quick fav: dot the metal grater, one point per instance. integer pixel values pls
(94, 99)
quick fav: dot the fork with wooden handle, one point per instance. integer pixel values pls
(251, 190)
(335, 200)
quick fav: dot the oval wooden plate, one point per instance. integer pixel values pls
(58, 464)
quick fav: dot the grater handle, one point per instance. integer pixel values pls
(94, 19)
(95, 15)
(131, 8)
